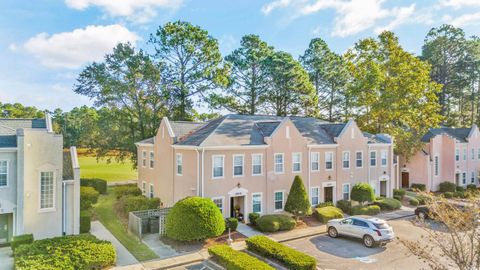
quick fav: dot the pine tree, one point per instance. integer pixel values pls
(298, 203)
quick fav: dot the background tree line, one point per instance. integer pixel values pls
(383, 87)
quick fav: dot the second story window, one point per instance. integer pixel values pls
(473, 154)
(315, 158)
(328, 160)
(464, 153)
(152, 159)
(144, 158)
(218, 162)
(436, 165)
(3, 173)
(457, 154)
(373, 158)
(47, 190)
(346, 160)
(296, 162)
(478, 153)
(179, 160)
(257, 164)
(359, 159)
(383, 158)
(279, 163)
(238, 165)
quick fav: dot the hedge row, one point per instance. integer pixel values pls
(399, 193)
(127, 190)
(24, 239)
(345, 206)
(236, 260)
(366, 210)
(85, 218)
(88, 197)
(448, 187)
(273, 223)
(420, 187)
(99, 185)
(327, 213)
(136, 203)
(67, 253)
(388, 204)
(293, 259)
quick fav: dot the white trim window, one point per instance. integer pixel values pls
(296, 162)
(346, 191)
(328, 161)
(47, 190)
(152, 193)
(218, 201)
(278, 200)
(315, 196)
(383, 158)
(257, 202)
(152, 159)
(464, 153)
(457, 154)
(359, 159)
(464, 178)
(315, 161)
(144, 158)
(257, 160)
(218, 163)
(473, 154)
(144, 187)
(478, 153)
(279, 163)
(179, 166)
(373, 158)
(436, 165)
(472, 177)
(237, 165)
(346, 159)
(3, 173)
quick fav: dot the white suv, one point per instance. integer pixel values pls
(371, 230)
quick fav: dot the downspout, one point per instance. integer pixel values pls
(198, 172)
(203, 172)
(64, 206)
(309, 170)
(368, 163)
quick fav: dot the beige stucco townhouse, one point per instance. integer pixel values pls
(39, 181)
(448, 154)
(250, 161)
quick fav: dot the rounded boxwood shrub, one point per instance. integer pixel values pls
(366, 210)
(459, 188)
(362, 192)
(448, 195)
(471, 187)
(194, 218)
(85, 219)
(459, 194)
(273, 223)
(88, 197)
(127, 190)
(413, 202)
(327, 213)
(420, 187)
(448, 187)
(399, 192)
(231, 223)
(398, 198)
(388, 204)
(99, 185)
(345, 206)
(253, 217)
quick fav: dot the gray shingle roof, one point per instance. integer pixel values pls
(377, 138)
(460, 134)
(182, 128)
(9, 127)
(147, 141)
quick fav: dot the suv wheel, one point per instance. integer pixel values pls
(368, 241)
(332, 232)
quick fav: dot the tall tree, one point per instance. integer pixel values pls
(328, 73)
(192, 64)
(128, 85)
(248, 80)
(17, 110)
(290, 91)
(392, 92)
(79, 126)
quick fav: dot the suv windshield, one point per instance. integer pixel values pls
(381, 225)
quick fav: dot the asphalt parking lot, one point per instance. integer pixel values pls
(348, 253)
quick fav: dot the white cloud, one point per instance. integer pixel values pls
(76, 48)
(139, 11)
(266, 9)
(457, 4)
(402, 16)
(467, 19)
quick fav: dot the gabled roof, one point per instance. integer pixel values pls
(461, 134)
(182, 128)
(377, 138)
(9, 127)
(147, 141)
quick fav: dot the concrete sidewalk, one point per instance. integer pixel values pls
(6, 259)
(247, 230)
(298, 233)
(403, 212)
(124, 257)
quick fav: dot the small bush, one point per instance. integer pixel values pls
(24, 239)
(388, 204)
(399, 192)
(67, 252)
(421, 200)
(85, 219)
(324, 204)
(253, 217)
(99, 185)
(420, 187)
(345, 206)
(231, 223)
(413, 202)
(136, 203)
(293, 259)
(447, 187)
(127, 190)
(471, 187)
(273, 223)
(236, 260)
(398, 198)
(460, 189)
(194, 218)
(327, 213)
(459, 194)
(448, 195)
(88, 197)
(366, 210)
(362, 192)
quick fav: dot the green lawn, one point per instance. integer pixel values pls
(105, 212)
(113, 171)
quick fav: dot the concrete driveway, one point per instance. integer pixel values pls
(349, 253)
(6, 260)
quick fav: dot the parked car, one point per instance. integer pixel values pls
(373, 231)
(426, 212)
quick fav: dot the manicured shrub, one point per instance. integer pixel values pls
(459, 188)
(85, 219)
(421, 200)
(447, 187)
(345, 206)
(362, 192)
(99, 185)
(298, 203)
(366, 210)
(471, 187)
(231, 223)
(194, 218)
(388, 204)
(236, 260)
(324, 204)
(420, 187)
(273, 223)
(126, 190)
(398, 198)
(68, 252)
(88, 197)
(136, 203)
(292, 258)
(413, 202)
(399, 192)
(459, 194)
(325, 214)
(24, 239)
(448, 195)
(253, 217)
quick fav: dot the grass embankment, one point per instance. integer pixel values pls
(113, 171)
(105, 212)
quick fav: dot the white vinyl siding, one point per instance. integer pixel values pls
(315, 160)
(328, 160)
(152, 159)
(359, 159)
(218, 201)
(179, 160)
(3, 173)
(373, 158)
(346, 192)
(346, 160)
(257, 202)
(218, 166)
(296, 162)
(278, 198)
(257, 160)
(384, 158)
(315, 195)
(436, 165)
(279, 163)
(47, 190)
(238, 165)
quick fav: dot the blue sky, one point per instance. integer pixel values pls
(44, 44)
